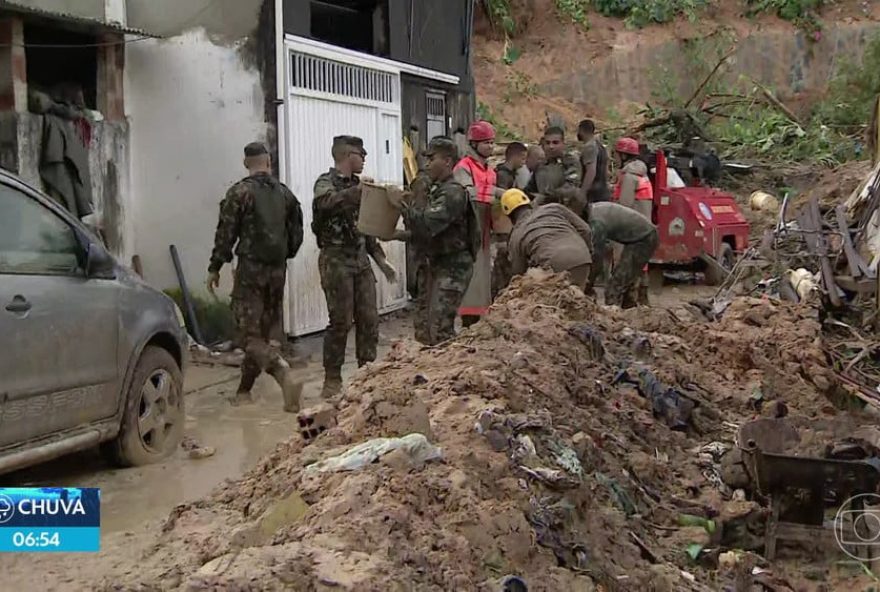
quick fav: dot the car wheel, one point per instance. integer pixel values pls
(152, 424)
(725, 259)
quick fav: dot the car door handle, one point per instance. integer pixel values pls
(19, 304)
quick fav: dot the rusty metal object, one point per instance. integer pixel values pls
(797, 486)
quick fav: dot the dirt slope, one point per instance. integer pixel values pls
(549, 46)
(548, 469)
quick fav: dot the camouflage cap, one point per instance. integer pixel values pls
(358, 143)
(443, 146)
(349, 141)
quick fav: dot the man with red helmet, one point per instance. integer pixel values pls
(480, 181)
(633, 190)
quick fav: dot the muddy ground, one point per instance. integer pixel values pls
(136, 502)
(550, 468)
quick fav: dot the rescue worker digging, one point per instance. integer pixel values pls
(346, 275)
(480, 181)
(264, 218)
(612, 222)
(446, 231)
(551, 236)
(634, 190)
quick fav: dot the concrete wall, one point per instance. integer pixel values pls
(224, 20)
(782, 58)
(192, 106)
(108, 166)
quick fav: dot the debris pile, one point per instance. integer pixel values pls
(823, 250)
(555, 444)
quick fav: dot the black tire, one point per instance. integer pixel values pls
(150, 430)
(726, 260)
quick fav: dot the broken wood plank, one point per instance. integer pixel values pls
(647, 553)
(855, 262)
(822, 252)
(862, 286)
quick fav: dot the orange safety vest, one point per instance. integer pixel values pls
(485, 178)
(644, 191)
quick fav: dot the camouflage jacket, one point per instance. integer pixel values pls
(555, 174)
(263, 217)
(506, 176)
(443, 225)
(334, 218)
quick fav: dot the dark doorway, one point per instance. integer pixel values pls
(69, 68)
(360, 25)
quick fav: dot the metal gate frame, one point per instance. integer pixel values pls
(338, 75)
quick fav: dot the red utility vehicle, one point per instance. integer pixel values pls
(697, 225)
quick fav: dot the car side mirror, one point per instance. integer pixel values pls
(99, 263)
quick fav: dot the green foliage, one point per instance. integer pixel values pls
(519, 85)
(640, 13)
(759, 131)
(500, 15)
(803, 13)
(511, 54)
(214, 316)
(852, 91)
(503, 130)
(574, 10)
(789, 10)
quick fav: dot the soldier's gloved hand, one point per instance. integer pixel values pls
(396, 197)
(213, 281)
(401, 235)
(353, 195)
(388, 271)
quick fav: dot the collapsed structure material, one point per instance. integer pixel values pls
(550, 470)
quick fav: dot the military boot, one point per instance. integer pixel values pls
(642, 298)
(243, 395)
(291, 388)
(332, 384)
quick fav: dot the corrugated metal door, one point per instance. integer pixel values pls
(330, 98)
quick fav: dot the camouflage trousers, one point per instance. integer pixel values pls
(501, 271)
(350, 289)
(628, 271)
(442, 285)
(256, 304)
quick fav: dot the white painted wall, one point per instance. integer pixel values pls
(192, 106)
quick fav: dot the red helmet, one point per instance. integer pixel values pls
(627, 146)
(480, 131)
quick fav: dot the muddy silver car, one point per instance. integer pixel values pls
(89, 354)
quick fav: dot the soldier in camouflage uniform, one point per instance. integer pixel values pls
(346, 275)
(262, 220)
(419, 191)
(613, 222)
(558, 178)
(446, 230)
(514, 160)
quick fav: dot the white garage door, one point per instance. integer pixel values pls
(330, 97)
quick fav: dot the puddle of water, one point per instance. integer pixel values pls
(241, 436)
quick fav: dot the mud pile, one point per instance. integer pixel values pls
(554, 466)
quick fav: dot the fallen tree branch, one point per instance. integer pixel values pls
(771, 98)
(708, 78)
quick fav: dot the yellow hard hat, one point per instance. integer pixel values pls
(512, 199)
